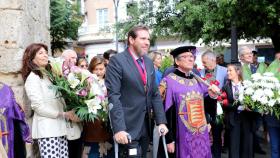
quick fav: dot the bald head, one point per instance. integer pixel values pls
(245, 54)
(69, 55)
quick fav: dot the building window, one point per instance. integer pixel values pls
(102, 17)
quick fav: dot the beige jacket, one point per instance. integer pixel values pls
(46, 105)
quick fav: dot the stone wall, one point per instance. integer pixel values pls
(22, 22)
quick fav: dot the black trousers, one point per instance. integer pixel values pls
(140, 145)
(256, 138)
(75, 148)
(216, 147)
(241, 137)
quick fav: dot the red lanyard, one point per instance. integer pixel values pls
(142, 74)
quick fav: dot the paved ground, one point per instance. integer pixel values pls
(264, 145)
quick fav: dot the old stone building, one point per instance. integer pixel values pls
(21, 22)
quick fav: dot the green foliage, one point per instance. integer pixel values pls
(166, 62)
(65, 21)
(261, 68)
(256, 106)
(73, 101)
(139, 13)
(246, 72)
(211, 20)
(274, 67)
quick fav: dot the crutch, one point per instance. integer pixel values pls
(164, 142)
(156, 137)
(116, 145)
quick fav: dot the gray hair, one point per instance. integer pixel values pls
(242, 50)
(66, 53)
(154, 54)
(210, 55)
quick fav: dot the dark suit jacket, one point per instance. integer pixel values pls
(272, 121)
(232, 117)
(128, 97)
(231, 113)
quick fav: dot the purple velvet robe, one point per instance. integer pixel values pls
(9, 111)
(187, 95)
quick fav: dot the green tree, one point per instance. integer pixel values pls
(65, 21)
(211, 20)
(138, 13)
(166, 63)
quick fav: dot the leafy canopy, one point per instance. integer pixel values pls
(65, 21)
(211, 20)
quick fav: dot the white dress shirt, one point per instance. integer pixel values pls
(239, 85)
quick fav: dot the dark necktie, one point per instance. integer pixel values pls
(253, 68)
(236, 92)
(140, 62)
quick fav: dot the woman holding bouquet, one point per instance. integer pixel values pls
(238, 120)
(49, 125)
(96, 134)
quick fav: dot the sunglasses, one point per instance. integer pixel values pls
(83, 66)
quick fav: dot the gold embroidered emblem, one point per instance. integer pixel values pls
(184, 81)
(191, 112)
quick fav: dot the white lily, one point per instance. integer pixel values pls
(56, 64)
(74, 82)
(93, 105)
(272, 102)
(85, 74)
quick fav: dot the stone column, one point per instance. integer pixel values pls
(22, 22)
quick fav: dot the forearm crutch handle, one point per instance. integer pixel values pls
(164, 142)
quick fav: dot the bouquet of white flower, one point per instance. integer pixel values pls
(80, 90)
(262, 92)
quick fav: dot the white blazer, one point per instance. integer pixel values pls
(46, 105)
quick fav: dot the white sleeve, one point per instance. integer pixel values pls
(34, 92)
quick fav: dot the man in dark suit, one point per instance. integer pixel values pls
(132, 92)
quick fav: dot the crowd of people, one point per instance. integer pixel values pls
(178, 101)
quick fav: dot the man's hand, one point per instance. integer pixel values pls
(171, 147)
(215, 89)
(163, 130)
(209, 127)
(121, 137)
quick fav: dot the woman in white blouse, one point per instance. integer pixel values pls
(49, 124)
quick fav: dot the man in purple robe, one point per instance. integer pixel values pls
(11, 114)
(184, 105)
